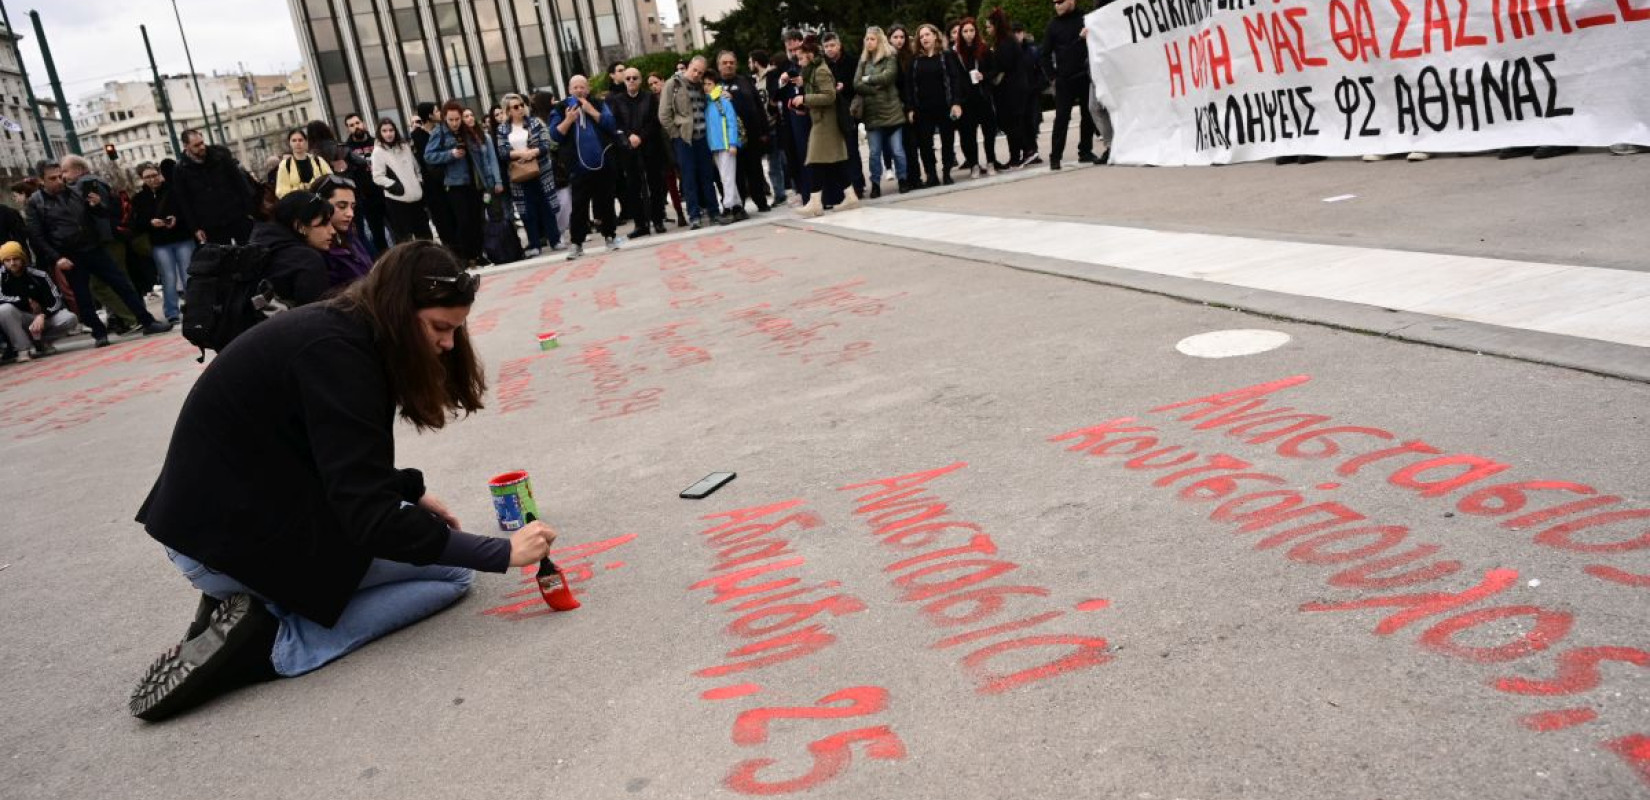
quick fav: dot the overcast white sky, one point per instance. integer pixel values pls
(94, 41)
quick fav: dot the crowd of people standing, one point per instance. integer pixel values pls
(540, 171)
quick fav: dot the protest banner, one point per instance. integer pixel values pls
(1192, 82)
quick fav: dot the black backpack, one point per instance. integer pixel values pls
(228, 292)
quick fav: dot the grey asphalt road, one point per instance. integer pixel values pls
(912, 590)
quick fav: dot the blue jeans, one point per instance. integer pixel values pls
(698, 176)
(538, 216)
(883, 140)
(172, 260)
(391, 596)
(776, 171)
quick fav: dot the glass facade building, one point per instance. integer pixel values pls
(382, 57)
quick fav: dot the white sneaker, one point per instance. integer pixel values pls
(1626, 149)
(1373, 157)
(849, 200)
(531, 252)
(614, 242)
(1419, 156)
(574, 252)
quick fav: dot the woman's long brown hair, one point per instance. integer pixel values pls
(429, 390)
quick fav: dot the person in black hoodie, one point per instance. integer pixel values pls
(1066, 58)
(280, 499)
(296, 240)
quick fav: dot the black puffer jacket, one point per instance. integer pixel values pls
(298, 271)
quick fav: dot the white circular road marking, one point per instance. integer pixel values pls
(1226, 344)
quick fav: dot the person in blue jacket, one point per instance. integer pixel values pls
(470, 177)
(589, 125)
(723, 134)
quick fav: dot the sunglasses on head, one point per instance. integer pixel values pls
(333, 181)
(466, 282)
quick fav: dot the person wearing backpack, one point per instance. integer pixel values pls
(280, 499)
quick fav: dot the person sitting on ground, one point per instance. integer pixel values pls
(301, 231)
(32, 313)
(346, 256)
(300, 410)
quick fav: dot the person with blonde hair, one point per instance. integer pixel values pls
(524, 144)
(877, 80)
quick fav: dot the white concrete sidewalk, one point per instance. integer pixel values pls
(1588, 302)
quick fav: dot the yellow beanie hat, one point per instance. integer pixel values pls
(13, 250)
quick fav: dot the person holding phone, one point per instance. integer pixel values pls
(172, 242)
(280, 499)
(469, 166)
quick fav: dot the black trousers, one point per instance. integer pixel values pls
(753, 184)
(439, 210)
(407, 221)
(593, 193)
(927, 125)
(654, 165)
(978, 122)
(630, 185)
(465, 203)
(1064, 98)
(373, 216)
(1013, 121)
(95, 261)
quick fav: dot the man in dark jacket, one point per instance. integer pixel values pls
(636, 112)
(213, 193)
(63, 228)
(747, 104)
(1066, 58)
(843, 64)
(360, 142)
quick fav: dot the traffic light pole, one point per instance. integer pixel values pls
(28, 90)
(160, 94)
(57, 86)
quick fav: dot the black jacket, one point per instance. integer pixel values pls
(747, 104)
(298, 271)
(13, 228)
(60, 224)
(639, 116)
(975, 97)
(213, 193)
(33, 284)
(1012, 89)
(281, 470)
(1066, 52)
(934, 85)
(149, 204)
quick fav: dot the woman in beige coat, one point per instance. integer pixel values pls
(827, 158)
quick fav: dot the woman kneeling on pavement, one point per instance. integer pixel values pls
(280, 500)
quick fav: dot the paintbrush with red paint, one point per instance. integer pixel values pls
(558, 598)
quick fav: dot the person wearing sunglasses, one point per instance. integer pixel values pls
(524, 144)
(280, 498)
(296, 237)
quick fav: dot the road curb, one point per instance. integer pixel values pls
(1607, 359)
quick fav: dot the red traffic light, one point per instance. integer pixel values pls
(110, 151)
